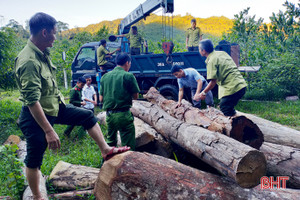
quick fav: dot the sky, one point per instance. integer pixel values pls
(80, 13)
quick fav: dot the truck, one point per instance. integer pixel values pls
(150, 70)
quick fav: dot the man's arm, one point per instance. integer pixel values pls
(100, 98)
(209, 87)
(199, 86)
(40, 117)
(186, 42)
(180, 97)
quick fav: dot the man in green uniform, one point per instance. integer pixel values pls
(102, 54)
(117, 89)
(43, 103)
(135, 40)
(222, 70)
(193, 36)
(75, 99)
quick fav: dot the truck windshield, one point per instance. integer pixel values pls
(87, 53)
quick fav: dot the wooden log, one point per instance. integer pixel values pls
(77, 195)
(239, 127)
(283, 161)
(27, 195)
(66, 176)
(242, 163)
(276, 133)
(147, 138)
(134, 175)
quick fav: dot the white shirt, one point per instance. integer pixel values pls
(88, 93)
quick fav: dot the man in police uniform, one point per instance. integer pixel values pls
(102, 54)
(135, 40)
(222, 70)
(118, 88)
(43, 103)
(193, 36)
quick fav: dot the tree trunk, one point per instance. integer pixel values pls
(276, 133)
(22, 151)
(84, 194)
(239, 127)
(134, 175)
(234, 159)
(283, 161)
(147, 138)
(66, 176)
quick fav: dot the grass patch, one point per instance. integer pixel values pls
(283, 112)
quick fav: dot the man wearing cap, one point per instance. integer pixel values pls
(190, 78)
(222, 70)
(43, 104)
(193, 36)
(118, 88)
(75, 99)
(102, 54)
(135, 39)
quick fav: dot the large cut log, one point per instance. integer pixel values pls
(283, 161)
(66, 176)
(77, 195)
(238, 127)
(147, 138)
(22, 151)
(276, 133)
(241, 162)
(134, 175)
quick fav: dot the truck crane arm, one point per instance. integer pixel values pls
(144, 10)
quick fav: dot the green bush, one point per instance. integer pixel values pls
(9, 113)
(12, 181)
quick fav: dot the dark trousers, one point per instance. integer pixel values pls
(108, 65)
(193, 49)
(122, 122)
(228, 103)
(35, 136)
(135, 51)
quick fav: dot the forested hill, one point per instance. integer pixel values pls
(152, 26)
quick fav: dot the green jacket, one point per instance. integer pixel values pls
(36, 79)
(75, 96)
(221, 67)
(135, 40)
(101, 53)
(117, 88)
(194, 36)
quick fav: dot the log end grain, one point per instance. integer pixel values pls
(251, 168)
(247, 132)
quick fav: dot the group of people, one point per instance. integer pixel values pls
(44, 105)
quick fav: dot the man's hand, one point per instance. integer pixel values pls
(119, 49)
(52, 140)
(178, 105)
(199, 97)
(95, 103)
(83, 103)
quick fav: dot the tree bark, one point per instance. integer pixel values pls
(276, 133)
(77, 195)
(283, 161)
(242, 163)
(133, 175)
(147, 138)
(66, 176)
(239, 127)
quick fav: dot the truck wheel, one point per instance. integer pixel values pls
(169, 92)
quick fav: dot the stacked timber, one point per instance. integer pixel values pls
(134, 175)
(236, 160)
(240, 127)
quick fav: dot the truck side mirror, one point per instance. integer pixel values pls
(63, 56)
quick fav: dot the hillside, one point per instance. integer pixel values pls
(152, 26)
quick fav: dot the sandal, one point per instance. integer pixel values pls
(111, 153)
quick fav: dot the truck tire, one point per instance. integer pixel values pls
(169, 92)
